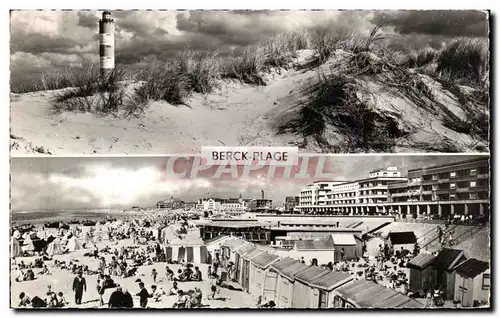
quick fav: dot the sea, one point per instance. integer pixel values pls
(63, 215)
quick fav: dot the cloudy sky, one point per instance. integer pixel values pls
(44, 40)
(120, 182)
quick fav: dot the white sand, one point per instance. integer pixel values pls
(62, 280)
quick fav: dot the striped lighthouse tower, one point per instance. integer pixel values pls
(106, 43)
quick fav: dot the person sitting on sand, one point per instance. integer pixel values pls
(169, 273)
(62, 300)
(181, 300)
(30, 275)
(174, 290)
(196, 298)
(209, 272)
(197, 274)
(19, 275)
(269, 304)
(178, 276)
(53, 302)
(24, 300)
(157, 293)
(45, 271)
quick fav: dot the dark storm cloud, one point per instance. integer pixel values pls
(436, 22)
(224, 26)
(87, 20)
(40, 43)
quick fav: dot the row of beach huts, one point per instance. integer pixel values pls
(292, 284)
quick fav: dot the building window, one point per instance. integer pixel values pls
(473, 184)
(453, 174)
(452, 197)
(473, 195)
(473, 172)
(486, 281)
(453, 185)
(434, 177)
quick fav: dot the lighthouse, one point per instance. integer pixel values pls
(106, 43)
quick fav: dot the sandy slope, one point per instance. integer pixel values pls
(236, 115)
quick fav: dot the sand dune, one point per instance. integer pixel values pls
(235, 115)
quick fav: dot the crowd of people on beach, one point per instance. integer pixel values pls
(115, 264)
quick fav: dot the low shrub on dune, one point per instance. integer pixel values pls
(465, 60)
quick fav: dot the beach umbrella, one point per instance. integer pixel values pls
(15, 248)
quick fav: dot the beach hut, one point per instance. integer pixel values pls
(263, 281)
(303, 293)
(401, 240)
(286, 270)
(240, 251)
(73, 244)
(443, 276)
(348, 244)
(472, 283)
(323, 250)
(421, 273)
(247, 272)
(323, 287)
(54, 248)
(15, 248)
(367, 294)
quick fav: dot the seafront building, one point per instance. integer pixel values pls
(217, 204)
(315, 193)
(460, 188)
(441, 191)
(358, 197)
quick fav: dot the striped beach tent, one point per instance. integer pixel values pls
(197, 254)
(54, 248)
(15, 249)
(28, 244)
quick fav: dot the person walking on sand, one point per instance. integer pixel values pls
(154, 274)
(143, 295)
(79, 286)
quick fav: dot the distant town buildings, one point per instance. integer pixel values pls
(221, 205)
(172, 203)
(290, 203)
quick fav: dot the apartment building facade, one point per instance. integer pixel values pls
(444, 190)
(459, 188)
(356, 197)
(316, 193)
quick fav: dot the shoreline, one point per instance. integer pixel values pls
(55, 216)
